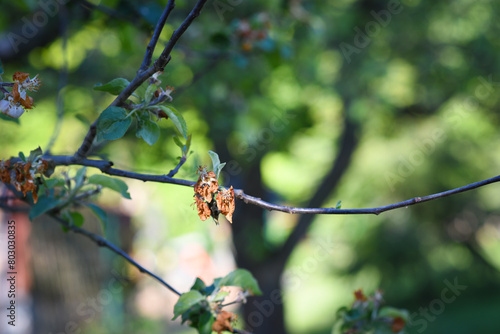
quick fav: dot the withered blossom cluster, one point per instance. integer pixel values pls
(14, 103)
(210, 201)
(223, 322)
(22, 175)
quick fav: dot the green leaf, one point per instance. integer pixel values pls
(115, 86)
(148, 130)
(112, 123)
(205, 323)
(80, 177)
(242, 278)
(111, 183)
(22, 156)
(178, 142)
(35, 154)
(1, 67)
(100, 213)
(149, 93)
(186, 301)
(188, 144)
(76, 218)
(198, 285)
(43, 205)
(54, 182)
(216, 163)
(176, 118)
(338, 205)
(220, 296)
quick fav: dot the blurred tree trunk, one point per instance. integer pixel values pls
(265, 314)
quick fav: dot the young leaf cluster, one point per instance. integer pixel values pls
(201, 305)
(367, 315)
(147, 109)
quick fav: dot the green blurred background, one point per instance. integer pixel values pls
(367, 102)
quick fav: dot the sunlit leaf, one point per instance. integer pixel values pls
(115, 86)
(242, 278)
(177, 119)
(217, 165)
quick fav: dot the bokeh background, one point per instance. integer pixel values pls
(309, 103)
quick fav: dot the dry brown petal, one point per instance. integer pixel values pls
(15, 92)
(202, 207)
(206, 185)
(4, 171)
(26, 167)
(27, 103)
(225, 203)
(223, 322)
(20, 77)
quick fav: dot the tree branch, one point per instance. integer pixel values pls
(102, 242)
(105, 167)
(152, 43)
(142, 76)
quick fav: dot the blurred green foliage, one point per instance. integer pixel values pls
(424, 90)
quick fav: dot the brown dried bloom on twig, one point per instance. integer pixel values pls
(207, 184)
(17, 100)
(202, 207)
(22, 175)
(223, 322)
(210, 201)
(225, 203)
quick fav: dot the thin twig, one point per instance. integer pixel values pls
(105, 167)
(179, 165)
(102, 242)
(195, 12)
(376, 211)
(154, 39)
